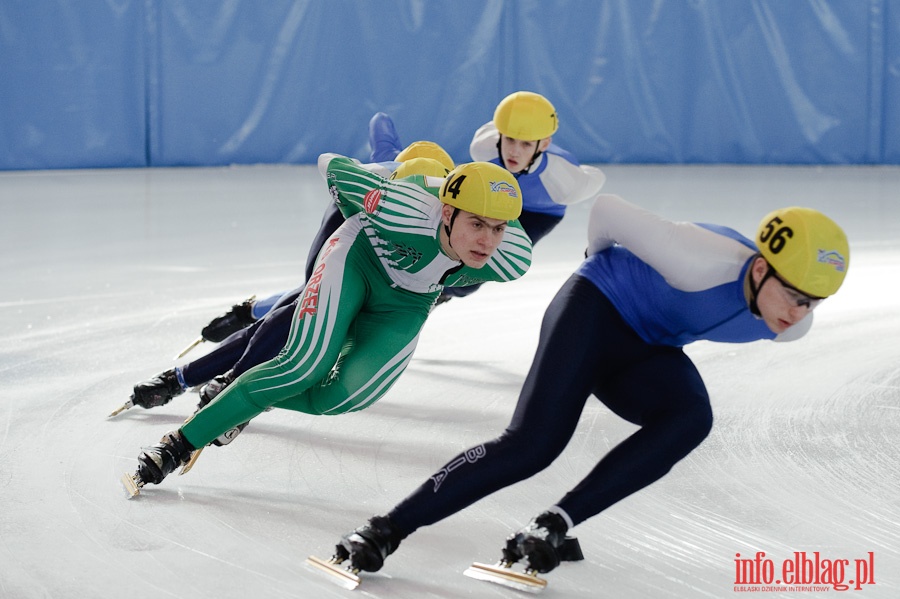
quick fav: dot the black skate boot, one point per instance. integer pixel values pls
(541, 543)
(158, 461)
(209, 392)
(368, 546)
(157, 391)
(239, 317)
(213, 388)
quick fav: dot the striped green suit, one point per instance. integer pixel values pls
(357, 322)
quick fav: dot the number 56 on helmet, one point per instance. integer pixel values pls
(806, 248)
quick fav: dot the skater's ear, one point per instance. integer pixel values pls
(447, 212)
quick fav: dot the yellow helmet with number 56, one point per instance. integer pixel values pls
(806, 248)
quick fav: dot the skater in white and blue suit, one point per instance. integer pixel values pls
(615, 330)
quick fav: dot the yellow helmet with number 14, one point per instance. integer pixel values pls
(484, 189)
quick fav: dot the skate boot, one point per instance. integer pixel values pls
(209, 392)
(158, 461)
(213, 388)
(383, 138)
(157, 391)
(368, 546)
(541, 543)
(239, 317)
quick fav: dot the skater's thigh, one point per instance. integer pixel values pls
(664, 383)
(578, 339)
(383, 345)
(320, 325)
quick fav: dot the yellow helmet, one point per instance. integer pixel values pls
(806, 248)
(484, 189)
(420, 166)
(426, 149)
(527, 116)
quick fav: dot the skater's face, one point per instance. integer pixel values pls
(780, 305)
(517, 153)
(473, 238)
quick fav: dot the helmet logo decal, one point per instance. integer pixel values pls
(371, 200)
(776, 238)
(503, 187)
(832, 258)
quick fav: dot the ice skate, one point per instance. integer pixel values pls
(213, 388)
(154, 392)
(365, 549)
(383, 138)
(221, 327)
(158, 461)
(209, 392)
(239, 317)
(542, 543)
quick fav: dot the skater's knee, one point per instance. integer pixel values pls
(692, 425)
(700, 422)
(533, 453)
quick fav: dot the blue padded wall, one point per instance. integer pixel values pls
(118, 83)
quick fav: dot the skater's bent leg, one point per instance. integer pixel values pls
(269, 339)
(384, 337)
(221, 359)
(244, 349)
(318, 328)
(476, 473)
(560, 379)
(289, 297)
(300, 365)
(667, 397)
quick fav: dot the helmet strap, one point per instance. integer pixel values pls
(448, 228)
(754, 289)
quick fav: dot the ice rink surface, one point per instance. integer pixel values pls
(106, 275)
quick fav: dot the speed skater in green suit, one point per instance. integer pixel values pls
(357, 322)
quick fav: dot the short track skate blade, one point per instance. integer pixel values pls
(131, 486)
(190, 463)
(125, 406)
(506, 577)
(194, 344)
(337, 573)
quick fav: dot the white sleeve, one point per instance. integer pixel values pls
(689, 257)
(324, 161)
(567, 183)
(484, 143)
(379, 168)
